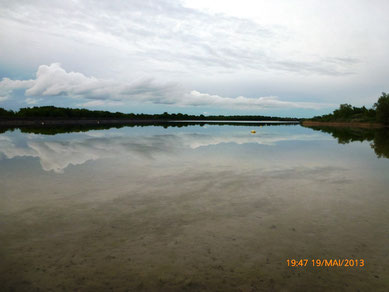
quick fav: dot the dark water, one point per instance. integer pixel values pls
(194, 208)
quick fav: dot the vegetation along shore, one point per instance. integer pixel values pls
(350, 116)
(346, 116)
(51, 115)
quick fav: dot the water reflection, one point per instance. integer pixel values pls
(60, 129)
(379, 138)
(58, 152)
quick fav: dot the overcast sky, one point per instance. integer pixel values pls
(289, 58)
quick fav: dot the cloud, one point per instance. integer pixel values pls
(302, 50)
(195, 98)
(94, 103)
(166, 32)
(30, 100)
(7, 86)
(53, 81)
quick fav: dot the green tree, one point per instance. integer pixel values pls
(344, 111)
(382, 108)
(5, 114)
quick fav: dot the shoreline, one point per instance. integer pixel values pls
(345, 124)
(81, 122)
(93, 122)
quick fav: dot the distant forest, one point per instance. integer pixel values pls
(347, 113)
(52, 112)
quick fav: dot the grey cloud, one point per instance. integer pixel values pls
(168, 32)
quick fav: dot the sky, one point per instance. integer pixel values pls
(292, 58)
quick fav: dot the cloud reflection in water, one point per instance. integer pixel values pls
(58, 153)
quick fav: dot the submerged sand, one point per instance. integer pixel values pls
(208, 221)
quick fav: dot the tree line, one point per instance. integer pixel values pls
(52, 112)
(348, 113)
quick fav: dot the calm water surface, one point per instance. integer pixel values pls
(194, 208)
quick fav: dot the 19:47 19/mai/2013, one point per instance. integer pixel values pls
(326, 262)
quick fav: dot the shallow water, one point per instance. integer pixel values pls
(196, 208)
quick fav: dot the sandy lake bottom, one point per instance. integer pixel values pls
(212, 208)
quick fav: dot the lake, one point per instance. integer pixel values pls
(194, 208)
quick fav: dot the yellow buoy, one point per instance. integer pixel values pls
(253, 131)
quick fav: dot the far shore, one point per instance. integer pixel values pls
(92, 122)
(64, 122)
(344, 124)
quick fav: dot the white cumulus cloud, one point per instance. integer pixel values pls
(53, 81)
